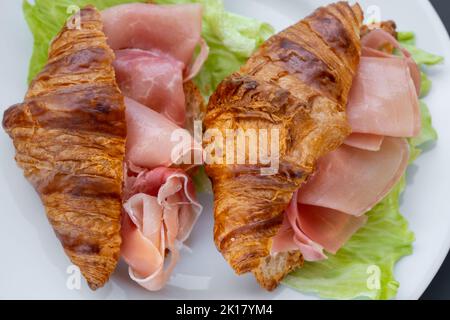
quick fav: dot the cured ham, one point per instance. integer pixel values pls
(329, 228)
(151, 66)
(383, 110)
(292, 237)
(152, 139)
(154, 80)
(160, 204)
(172, 29)
(313, 229)
(352, 180)
(383, 100)
(330, 208)
(159, 218)
(373, 44)
(153, 69)
(384, 97)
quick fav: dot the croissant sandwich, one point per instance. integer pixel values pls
(311, 83)
(93, 136)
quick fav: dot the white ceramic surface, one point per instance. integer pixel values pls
(33, 264)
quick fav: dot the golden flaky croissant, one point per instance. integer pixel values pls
(298, 82)
(69, 135)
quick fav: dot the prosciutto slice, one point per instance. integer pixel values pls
(292, 237)
(352, 180)
(155, 47)
(169, 29)
(383, 99)
(154, 80)
(312, 229)
(377, 39)
(330, 208)
(159, 218)
(154, 141)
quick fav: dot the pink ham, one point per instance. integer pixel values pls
(378, 38)
(330, 207)
(169, 29)
(364, 141)
(383, 99)
(155, 48)
(159, 218)
(291, 236)
(329, 228)
(311, 229)
(154, 80)
(154, 141)
(352, 180)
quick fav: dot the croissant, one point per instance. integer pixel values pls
(69, 136)
(298, 82)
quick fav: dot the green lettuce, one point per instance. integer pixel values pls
(364, 267)
(408, 41)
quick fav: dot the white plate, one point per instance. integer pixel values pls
(34, 265)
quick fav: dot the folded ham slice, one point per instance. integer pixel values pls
(383, 99)
(313, 229)
(170, 29)
(291, 236)
(379, 38)
(330, 208)
(153, 79)
(155, 47)
(352, 180)
(159, 218)
(154, 141)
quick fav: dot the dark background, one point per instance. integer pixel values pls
(440, 287)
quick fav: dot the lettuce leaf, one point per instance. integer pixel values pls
(422, 57)
(428, 133)
(408, 41)
(425, 85)
(364, 267)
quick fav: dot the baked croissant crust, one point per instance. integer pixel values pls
(69, 136)
(298, 82)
